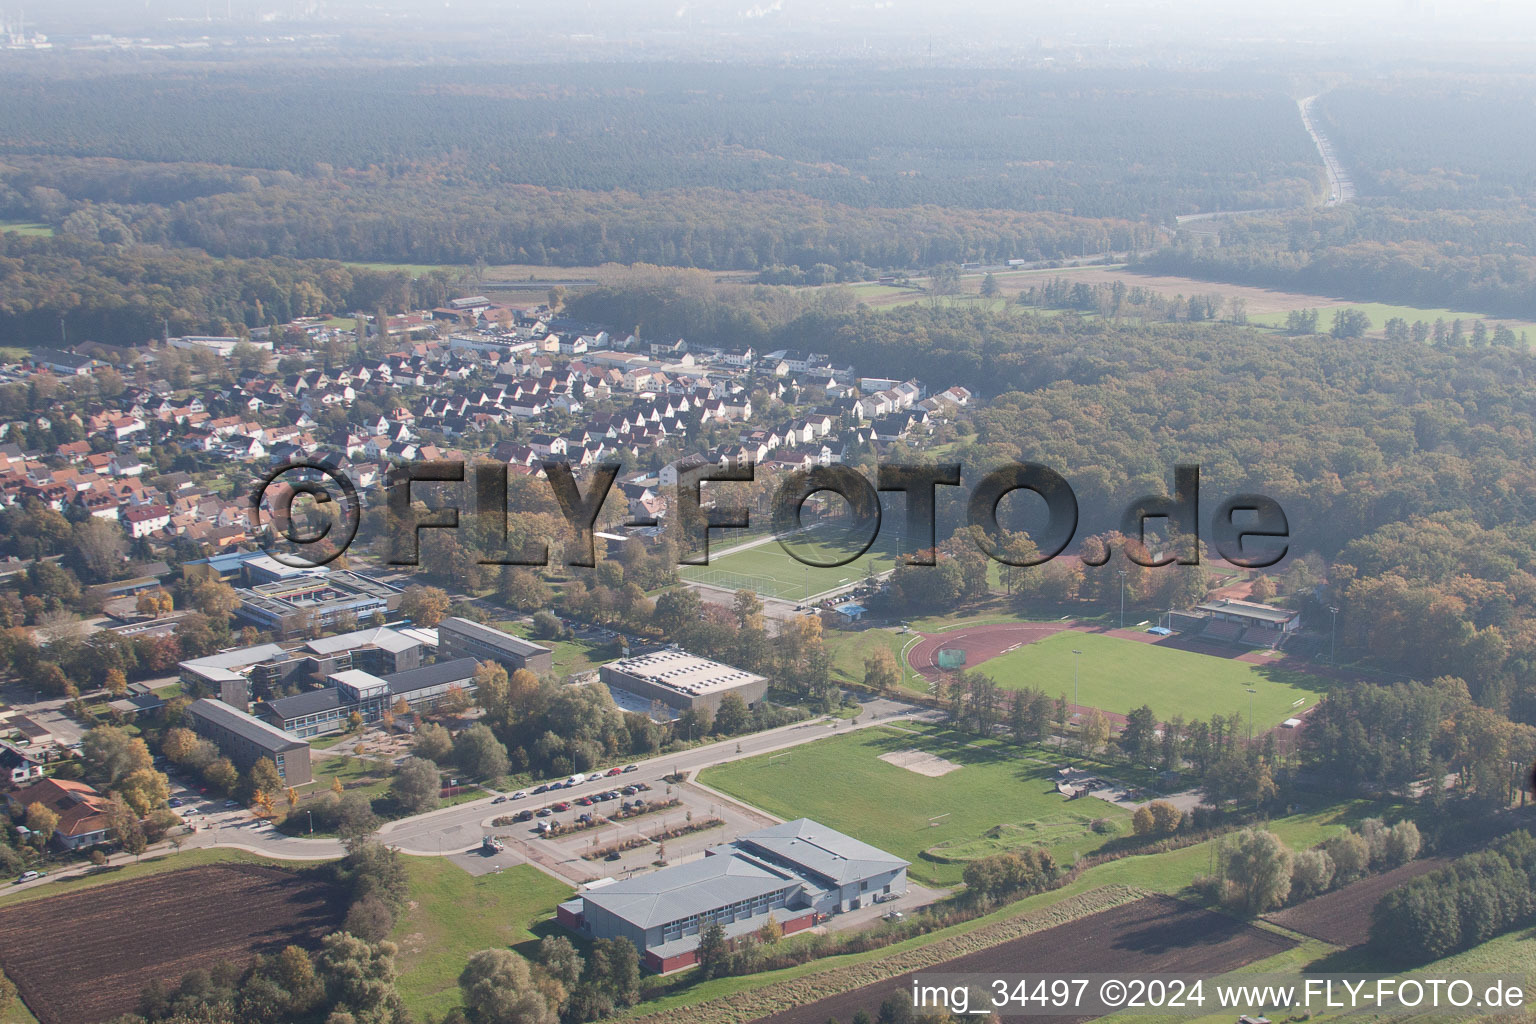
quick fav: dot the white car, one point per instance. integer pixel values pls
(521, 794)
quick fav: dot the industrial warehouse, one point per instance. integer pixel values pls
(792, 873)
(682, 681)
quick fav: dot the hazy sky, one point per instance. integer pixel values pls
(1174, 27)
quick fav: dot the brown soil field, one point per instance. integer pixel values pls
(1153, 935)
(86, 956)
(1343, 917)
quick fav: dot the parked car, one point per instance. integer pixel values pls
(887, 897)
(615, 771)
(540, 789)
(523, 815)
(643, 787)
(631, 768)
(562, 806)
(231, 803)
(174, 801)
(29, 876)
(521, 794)
(584, 801)
(545, 812)
(894, 915)
(630, 791)
(584, 818)
(612, 856)
(499, 800)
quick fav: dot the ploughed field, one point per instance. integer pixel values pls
(85, 956)
(1153, 935)
(1343, 916)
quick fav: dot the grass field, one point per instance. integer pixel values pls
(453, 914)
(1119, 675)
(23, 227)
(841, 782)
(771, 571)
(568, 656)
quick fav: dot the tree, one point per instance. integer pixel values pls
(425, 606)
(42, 822)
(1142, 822)
(1165, 817)
(355, 820)
(1138, 738)
(434, 743)
(222, 775)
(370, 918)
(123, 826)
(989, 286)
(498, 988)
(215, 599)
(881, 672)
(358, 978)
(1257, 868)
(1350, 855)
(1093, 733)
(116, 683)
(560, 960)
(1311, 874)
(144, 790)
(416, 785)
(112, 753)
(1402, 843)
(265, 777)
(479, 753)
(732, 716)
(714, 952)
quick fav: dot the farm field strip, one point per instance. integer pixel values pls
(85, 956)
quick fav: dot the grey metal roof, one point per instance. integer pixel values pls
(823, 851)
(487, 635)
(243, 725)
(456, 671)
(241, 657)
(313, 702)
(380, 636)
(693, 888)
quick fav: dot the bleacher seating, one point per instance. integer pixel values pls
(1180, 622)
(1223, 631)
(1260, 636)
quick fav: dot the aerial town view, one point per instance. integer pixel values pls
(746, 512)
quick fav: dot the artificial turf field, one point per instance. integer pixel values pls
(999, 798)
(1119, 675)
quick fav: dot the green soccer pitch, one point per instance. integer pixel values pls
(1118, 675)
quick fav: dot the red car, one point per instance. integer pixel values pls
(584, 801)
(562, 806)
(615, 771)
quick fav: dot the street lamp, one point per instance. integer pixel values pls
(311, 815)
(1121, 573)
(1333, 636)
(1251, 692)
(1075, 654)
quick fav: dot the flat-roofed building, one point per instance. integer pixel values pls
(461, 638)
(357, 692)
(682, 681)
(314, 601)
(792, 873)
(245, 739)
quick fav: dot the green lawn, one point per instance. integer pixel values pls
(24, 227)
(1381, 312)
(849, 649)
(1118, 675)
(569, 656)
(994, 800)
(453, 914)
(771, 571)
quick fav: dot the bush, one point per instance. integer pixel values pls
(1350, 855)
(1403, 843)
(1311, 874)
